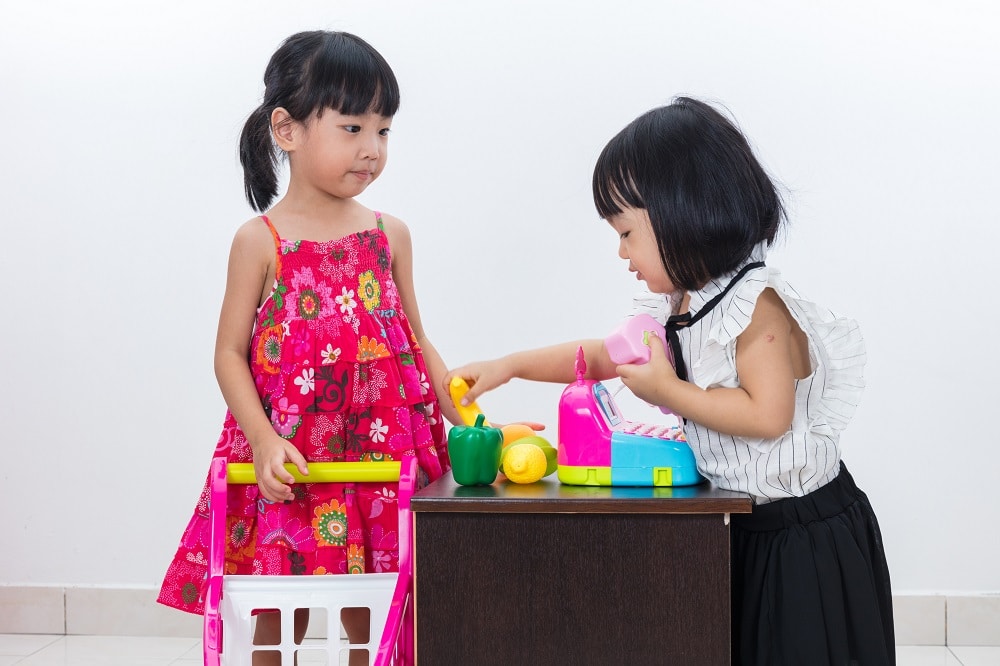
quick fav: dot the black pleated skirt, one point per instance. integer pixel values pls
(810, 582)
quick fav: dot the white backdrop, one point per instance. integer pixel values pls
(121, 191)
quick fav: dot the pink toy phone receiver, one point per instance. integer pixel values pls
(629, 342)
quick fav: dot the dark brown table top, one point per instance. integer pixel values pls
(550, 496)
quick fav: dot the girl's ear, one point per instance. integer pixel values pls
(283, 128)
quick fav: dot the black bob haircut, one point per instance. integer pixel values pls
(310, 72)
(708, 198)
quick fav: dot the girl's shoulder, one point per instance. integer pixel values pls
(254, 238)
(390, 222)
(395, 231)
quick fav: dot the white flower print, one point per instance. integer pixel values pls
(378, 431)
(346, 300)
(425, 385)
(330, 355)
(307, 382)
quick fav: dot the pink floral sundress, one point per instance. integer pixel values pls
(340, 374)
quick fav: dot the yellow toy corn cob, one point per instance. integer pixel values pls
(457, 389)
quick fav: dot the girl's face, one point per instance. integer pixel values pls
(637, 245)
(342, 155)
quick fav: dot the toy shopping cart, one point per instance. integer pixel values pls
(231, 600)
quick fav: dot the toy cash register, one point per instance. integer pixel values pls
(598, 447)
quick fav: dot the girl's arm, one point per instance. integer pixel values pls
(556, 363)
(402, 275)
(249, 267)
(767, 353)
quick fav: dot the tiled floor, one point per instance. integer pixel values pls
(45, 650)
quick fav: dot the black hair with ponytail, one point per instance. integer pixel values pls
(310, 72)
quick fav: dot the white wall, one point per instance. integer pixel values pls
(121, 192)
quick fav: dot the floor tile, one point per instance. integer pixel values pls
(925, 655)
(975, 655)
(25, 644)
(110, 651)
(48, 650)
(195, 652)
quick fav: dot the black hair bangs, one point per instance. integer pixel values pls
(349, 76)
(614, 181)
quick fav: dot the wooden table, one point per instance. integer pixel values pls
(551, 574)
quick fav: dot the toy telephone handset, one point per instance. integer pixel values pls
(629, 342)
(598, 447)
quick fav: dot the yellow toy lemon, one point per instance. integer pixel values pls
(551, 455)
(524, 463)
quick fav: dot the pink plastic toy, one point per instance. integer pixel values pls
(231, 599)
(598, 447)
(629, 342)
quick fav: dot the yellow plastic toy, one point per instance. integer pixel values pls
(323, 472)
(458, 388)
(521, 465)
(524, 463)
(533, 457)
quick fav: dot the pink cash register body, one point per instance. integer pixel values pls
(598, 447)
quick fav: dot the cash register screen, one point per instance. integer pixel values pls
(607, 405)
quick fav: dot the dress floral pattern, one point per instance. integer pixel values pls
(340, 375)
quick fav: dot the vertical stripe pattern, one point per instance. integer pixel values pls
(808, 455)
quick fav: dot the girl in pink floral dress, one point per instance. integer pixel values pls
(320, 352)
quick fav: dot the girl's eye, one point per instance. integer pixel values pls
(353, 129)
(625, 235)
(384, 131)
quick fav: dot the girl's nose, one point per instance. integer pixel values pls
(621, 251)
(371, 147)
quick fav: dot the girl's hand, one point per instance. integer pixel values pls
(652, 380)
(269, 458)
(481, 377)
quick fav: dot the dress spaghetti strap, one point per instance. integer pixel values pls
(381, 227)
(277, 247)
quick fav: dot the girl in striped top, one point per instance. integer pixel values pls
(765, 381)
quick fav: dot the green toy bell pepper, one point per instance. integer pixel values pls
(475, 453)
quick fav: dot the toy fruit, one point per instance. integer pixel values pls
(457, 388)
(515, 431)
(550, 453)
(475, 452)
(524, 463)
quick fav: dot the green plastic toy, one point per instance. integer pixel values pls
(475, 453)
